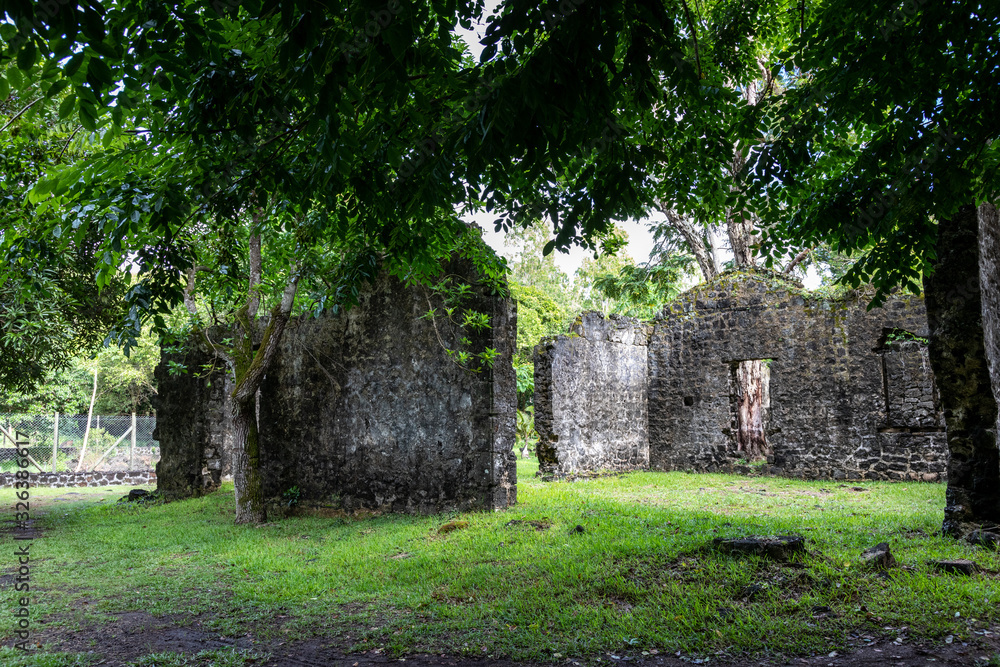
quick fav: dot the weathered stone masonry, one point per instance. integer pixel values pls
(590, 396)
(80, 479)
(361, 409)
(850, 393)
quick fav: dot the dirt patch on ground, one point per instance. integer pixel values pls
(135, 634)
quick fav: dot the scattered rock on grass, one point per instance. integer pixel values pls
(537, 525)
(879, 556)
(822, 610)
(957, 566)
(776, 547)
(753, 590)
(139, 496)
(725, 612)
(984, 538)
(578, 529)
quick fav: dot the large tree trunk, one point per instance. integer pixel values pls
(739, 224)
(693, 235)
(750, 380)
(250, 506)
(249, 358)
(251, 362)
(989, 281)
(958, 358)
(741, 237)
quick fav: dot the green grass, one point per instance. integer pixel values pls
(12, 657)
(637, 579)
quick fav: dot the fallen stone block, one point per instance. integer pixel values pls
(984, 538)
(879, 556)
(775, 547)
(957, 566)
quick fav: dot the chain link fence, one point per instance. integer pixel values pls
(64, 443)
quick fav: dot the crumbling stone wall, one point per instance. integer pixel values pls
(850, 393)
(193, 421)
(846, 401)
(590, 397)
(363, 409)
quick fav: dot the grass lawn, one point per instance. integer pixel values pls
(519, 583)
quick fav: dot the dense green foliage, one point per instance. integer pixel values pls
(643, 291)
(125, 384)
(49, 307)
(889, 123)
(538, 316)
(262, 120)
(586, 113)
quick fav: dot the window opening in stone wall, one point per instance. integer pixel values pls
(750, 397)
(911, 401)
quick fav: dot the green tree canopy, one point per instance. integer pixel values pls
(50, 309)
(889, 125)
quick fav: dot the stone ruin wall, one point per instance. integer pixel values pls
(590, 397)
(193, 422)
(80, 479)
(846, 401)
(364, 409)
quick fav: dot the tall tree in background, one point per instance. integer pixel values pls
(732, 47)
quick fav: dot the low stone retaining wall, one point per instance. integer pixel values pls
(77, 479)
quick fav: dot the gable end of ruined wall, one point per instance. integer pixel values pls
(851, 392)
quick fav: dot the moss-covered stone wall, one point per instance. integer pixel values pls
(851, 392)
(364, 409)
(849, 395)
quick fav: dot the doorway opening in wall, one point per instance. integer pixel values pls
(750, 398)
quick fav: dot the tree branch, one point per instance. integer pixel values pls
(248, 385)
(694, 34)
(796, 261)
(255, 270)
(189, 302)
(20, 113)
(694, 239)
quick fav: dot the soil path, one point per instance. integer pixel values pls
(136, 634)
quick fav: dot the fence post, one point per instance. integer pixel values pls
(55, 443)
(131, 451)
